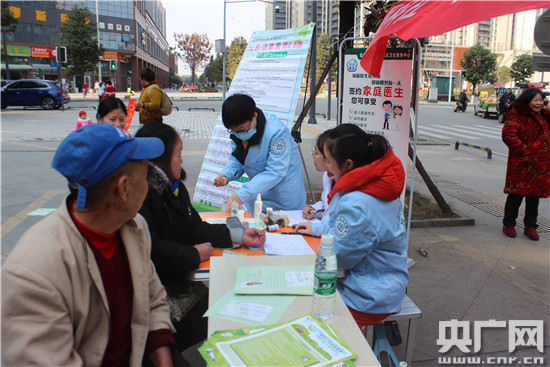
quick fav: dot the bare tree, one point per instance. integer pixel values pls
(194, 49)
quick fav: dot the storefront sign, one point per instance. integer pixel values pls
(43, 52)
(109, 56)
(20, 51)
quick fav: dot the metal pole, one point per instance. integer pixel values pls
(329, 82)
(98, 43)
(411, 190)
(224, 48)
(59, 77)
(329, 75)
(451, 66)
(313, 62)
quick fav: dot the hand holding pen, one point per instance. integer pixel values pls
(309, 212)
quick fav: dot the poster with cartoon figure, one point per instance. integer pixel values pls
(380, 105)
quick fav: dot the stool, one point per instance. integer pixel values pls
(382, 345)
(409, 311)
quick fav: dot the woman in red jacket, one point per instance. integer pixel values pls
(527, 135)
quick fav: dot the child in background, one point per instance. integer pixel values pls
(366, 220)
(82, 120)
(319, 210)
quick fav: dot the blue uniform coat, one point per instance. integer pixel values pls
(273, 164)
(369, 236)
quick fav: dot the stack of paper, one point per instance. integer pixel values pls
(305, 341)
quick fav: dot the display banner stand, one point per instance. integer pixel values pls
(376, 113)
(271, 72)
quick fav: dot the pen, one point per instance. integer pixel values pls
(301, 234)
(316, 211)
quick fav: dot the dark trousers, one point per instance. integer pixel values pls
(193, 328)
(511, 209)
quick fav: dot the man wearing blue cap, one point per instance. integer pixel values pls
(79, 288)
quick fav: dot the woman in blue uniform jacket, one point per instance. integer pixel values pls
(263, 148)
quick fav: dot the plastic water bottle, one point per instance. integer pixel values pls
(324, 283)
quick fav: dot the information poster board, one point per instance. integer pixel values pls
(380, 105)
(271, 72)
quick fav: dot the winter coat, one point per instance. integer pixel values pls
(80, 123)
(528, 139)
(110, 91)
(175, 228)
(54, 307)
(153, 100)
(366, 220)
(272, 162)
(506, 99)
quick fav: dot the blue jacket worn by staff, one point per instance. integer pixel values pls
(366, 220)
(272, 162)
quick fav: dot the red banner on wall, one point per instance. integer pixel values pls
(422, 18)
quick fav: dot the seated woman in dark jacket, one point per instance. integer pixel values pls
(180, 239)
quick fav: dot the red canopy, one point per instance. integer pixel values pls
(422, 18)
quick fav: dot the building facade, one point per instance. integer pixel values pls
(283, 14)
(132, 33)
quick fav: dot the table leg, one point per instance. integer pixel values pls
(410, 341)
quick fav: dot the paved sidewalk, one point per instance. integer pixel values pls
(470, 273)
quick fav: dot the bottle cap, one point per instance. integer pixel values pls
(327, 239)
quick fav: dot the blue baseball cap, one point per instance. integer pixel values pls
(93, 152)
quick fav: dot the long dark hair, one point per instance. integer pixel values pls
(109, 104)
(349, 141)
(169, 136)
(527, 95)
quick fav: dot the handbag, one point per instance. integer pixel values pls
(392, 333)
(181, 304)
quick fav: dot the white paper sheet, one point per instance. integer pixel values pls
(295, 217)
(280, 244)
